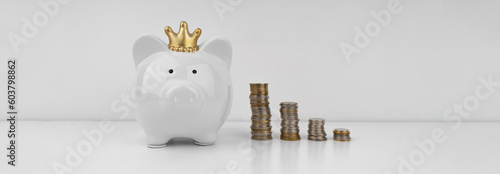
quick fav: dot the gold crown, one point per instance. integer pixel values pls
(183, 41)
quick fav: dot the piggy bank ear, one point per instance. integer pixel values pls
(219, 47)
(146, 46)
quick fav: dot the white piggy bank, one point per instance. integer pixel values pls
(185, 89)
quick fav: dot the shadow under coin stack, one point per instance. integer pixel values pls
(316, 129)
(261, 113)
(341, 134)
(289, 121)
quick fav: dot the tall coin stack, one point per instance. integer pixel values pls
(289, 121)
(316, 129)
(261, 113)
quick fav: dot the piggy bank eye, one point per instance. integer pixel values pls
(170, 71)
(202, 75)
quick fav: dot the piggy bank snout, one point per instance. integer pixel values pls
(182, 94)
(183, 98)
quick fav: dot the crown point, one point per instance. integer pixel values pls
(197, 31)
(168, 29)
(184, 24)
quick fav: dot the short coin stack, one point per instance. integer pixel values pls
(341, 134)
(261, 114)
(289, 121)
(316, 129)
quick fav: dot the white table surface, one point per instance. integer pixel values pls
(376, 147)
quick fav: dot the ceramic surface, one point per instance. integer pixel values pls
(182, 94)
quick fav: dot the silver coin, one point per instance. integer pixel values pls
(288, 110)
(261, 110)
(313, 136)
(289, 103)
(317, 139)
(259, 97)
(260, 118)
(295, 122)
(290, 131)
(261, 134)
(259, 102)
(289, 117)
(315, 125)
(316, 132)
(260, 127)
(339, 137)
(341, 130)
(317, 119)
(289, 126)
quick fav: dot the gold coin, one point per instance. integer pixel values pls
(261, 116)
(290, 139)
(262, 138)
(290, 136)
(260, 131)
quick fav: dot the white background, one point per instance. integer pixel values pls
(426, 59)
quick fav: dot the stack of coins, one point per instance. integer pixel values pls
(289, 121)
(341, 134)
(316, 130)
(261, 113)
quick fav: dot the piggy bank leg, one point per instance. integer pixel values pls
(206, 139)
(157, 141)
